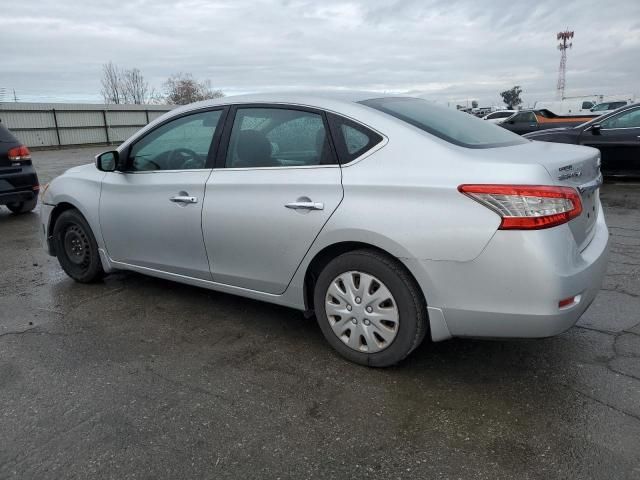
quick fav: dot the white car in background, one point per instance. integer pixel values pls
(499, 116)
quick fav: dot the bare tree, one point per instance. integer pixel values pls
(135, 89)
(126, 86)
(182, 88)
(111, 83)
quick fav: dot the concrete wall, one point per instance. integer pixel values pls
(61, 124)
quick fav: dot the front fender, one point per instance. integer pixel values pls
(79, 188)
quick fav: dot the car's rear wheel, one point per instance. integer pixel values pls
(23, 207)
(76, 247)
(369, 308)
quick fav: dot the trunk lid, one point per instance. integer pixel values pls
(578, 167)
(571, 166)
(567, 165)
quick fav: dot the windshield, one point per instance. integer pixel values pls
(455, 127)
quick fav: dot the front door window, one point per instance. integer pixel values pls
(182, 144)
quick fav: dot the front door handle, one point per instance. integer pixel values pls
(183, 199)
(305, 205)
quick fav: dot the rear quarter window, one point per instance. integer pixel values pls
(351, 139)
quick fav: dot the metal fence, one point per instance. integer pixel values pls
(63, 124)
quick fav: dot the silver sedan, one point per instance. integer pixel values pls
(388, 217)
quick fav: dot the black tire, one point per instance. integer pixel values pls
(413, 321)
(76, 247)
(23, 207)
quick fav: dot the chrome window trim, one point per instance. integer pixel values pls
(217, 169)
(143, 172)
(619, 128)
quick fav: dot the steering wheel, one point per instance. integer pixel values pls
(180, 157)
(145, 165)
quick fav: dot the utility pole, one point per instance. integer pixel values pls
(563, 46)
(15, 98)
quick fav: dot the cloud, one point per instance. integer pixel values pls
(449, 51)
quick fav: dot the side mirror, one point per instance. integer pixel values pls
(107, 161)
(595, 128)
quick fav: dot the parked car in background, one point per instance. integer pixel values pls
(526, 121)
(499, 116)
(608, 107)
(18, 179)
(616, 135)
(569, 106)
(388, 217)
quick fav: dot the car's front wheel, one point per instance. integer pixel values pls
(76, 247)
(369, 308)
(23, 207)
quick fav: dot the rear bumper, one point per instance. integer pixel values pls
(17, 184)
(17, 196)
(512, 289)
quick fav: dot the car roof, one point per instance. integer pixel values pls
(344, 102)
(320, 98)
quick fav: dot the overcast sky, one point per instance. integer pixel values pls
(53, 50)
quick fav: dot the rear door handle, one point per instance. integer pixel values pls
(305, 205)
(183, 199)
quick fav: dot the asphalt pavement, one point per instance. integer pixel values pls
(140, 378)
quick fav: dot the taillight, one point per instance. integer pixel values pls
(527, 207)
(17, 154)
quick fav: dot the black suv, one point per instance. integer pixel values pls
(18, 180)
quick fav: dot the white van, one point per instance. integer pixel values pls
(584, 105)
(569, 106)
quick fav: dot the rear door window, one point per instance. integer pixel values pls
(278, 137)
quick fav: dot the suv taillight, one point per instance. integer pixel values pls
(527, 207)
(17, 154)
